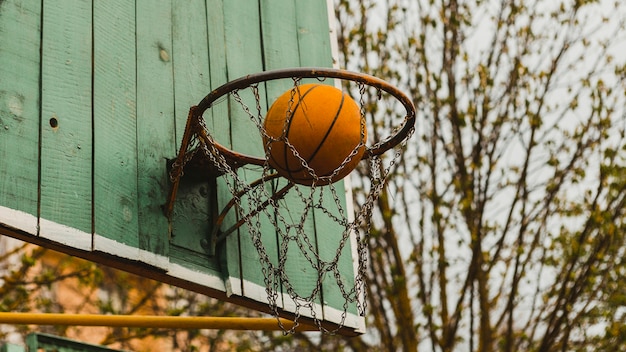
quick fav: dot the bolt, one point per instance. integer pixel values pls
(204, 243)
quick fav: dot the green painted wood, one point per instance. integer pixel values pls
(280, 38)
(19, 112)
(314, 37)
(192, 215)
(8, 347)
(280, 49)
(315, 50)
(66, 150)
(218, 120)
(278, 31)
(329, 241)
(244, 56)
(217, 116)
(155, 121)
(115, 126)
(191, 58)
(47, 342)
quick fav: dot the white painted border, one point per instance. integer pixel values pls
(174, 270)
(352, 320)
(233, 286)
(196, 277)
(290, 305)
(65, 235)
(257, 292)
(119, 249)
(334, 44)
(77, 239)
(18, 220)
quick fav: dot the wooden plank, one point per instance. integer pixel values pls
(66, 126)
(314, 42)
(315, 47)
(191, 58)
(155, 124)
(191, 218)
(115, 128)
(244, 56)
(20, 43)
(217, 116)
(281, 50)
(217, 119)
(280, 39)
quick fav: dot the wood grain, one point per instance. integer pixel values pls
(66, 150)
(19, 112)
(155, 121)
(190, 54)
(244, 55)
(280, 48)
(115, 123)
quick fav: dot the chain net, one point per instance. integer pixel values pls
(295, 214)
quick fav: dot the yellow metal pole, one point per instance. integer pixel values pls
(149, 321)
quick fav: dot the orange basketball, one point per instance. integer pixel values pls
(324, 128)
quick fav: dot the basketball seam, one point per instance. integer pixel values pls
(276, 161)
(330, 128)
(287, 148)
(328, 131)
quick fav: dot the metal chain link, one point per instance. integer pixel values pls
(290, 226)
(177, 169)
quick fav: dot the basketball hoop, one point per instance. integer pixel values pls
(201, 154)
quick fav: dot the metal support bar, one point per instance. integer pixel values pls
(217, 235)
(150, 321)
(178, 164)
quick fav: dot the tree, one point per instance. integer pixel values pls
(502, 227)
(35, 279)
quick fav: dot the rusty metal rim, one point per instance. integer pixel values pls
(318, 73)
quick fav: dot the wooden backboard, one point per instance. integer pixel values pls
(94, 96)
